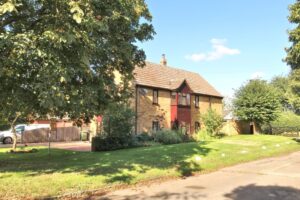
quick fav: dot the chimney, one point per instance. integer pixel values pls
(163, 60)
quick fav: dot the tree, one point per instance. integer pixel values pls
(293, 52)
(295, 87)
(256, 102)
(58, 58)
(285, 86)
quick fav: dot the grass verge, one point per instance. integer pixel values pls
(25, 176)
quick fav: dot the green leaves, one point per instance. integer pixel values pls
(293, 52)
(76, 11)
(59, 57)
(9, 6)
(212, 121)
(257, 101)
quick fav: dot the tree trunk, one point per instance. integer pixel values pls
(13, 128)
(14, 137)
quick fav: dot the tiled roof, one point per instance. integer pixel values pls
(160, 76)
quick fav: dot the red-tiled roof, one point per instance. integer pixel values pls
(160, 76)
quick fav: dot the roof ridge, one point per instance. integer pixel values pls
(177, 68)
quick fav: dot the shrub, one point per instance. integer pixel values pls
(117, 124)
(202, 135)
(144, 137)
(287, 122)
(168, 137)
(109, 143)
(118, 121)
(212, 121)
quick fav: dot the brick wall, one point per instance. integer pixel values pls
(147, 112)
(204, 104)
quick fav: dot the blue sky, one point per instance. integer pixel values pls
(226, 41)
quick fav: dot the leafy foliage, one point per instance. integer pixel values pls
(257, 101)
(293, 53)
(144, 137)
(287, 119)
(212, 121)
(110, 143)
(295, 87)
(286, 122)
(118, 123)
(59, 58)
(285, 87)
(168, 137)
(293, 56)
(202, 135)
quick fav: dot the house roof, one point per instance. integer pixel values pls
(161, 76)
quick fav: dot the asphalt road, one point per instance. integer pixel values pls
(267, 179)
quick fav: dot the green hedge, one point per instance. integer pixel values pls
(112, 143)
(287, 123)
(170, 137)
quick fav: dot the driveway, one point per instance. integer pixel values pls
(73, 146)
(267, 179)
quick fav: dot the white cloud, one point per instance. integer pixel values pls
(257, 75)
(219, 50)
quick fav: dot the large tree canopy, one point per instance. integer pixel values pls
(257, 102)
(59, 56)
(293, 52)
(286, 86)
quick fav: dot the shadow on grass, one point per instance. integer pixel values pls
(120, 166)
(252, 191)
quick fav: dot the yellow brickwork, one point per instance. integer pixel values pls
(205, 103)
(147, 112)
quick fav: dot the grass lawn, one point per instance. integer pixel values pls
(40, 175)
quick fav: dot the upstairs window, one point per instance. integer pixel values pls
(155, 96)
(197, 101)
(184, 99)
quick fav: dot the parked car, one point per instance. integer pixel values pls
(6, 137)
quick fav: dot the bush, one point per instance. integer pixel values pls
(168, 137)
(144, 137)
(109, 143)
(202, 135)
(117, 125)
(212, 121)
(118, 121)
(287, 122)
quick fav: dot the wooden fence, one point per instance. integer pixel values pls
(62, 134)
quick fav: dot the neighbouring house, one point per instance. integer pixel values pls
(167, 97)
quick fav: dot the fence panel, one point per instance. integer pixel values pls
(62, 134)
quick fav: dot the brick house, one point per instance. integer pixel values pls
(166, 97)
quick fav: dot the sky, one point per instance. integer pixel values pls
(226, 41)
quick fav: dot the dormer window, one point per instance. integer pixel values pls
(184, 99)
